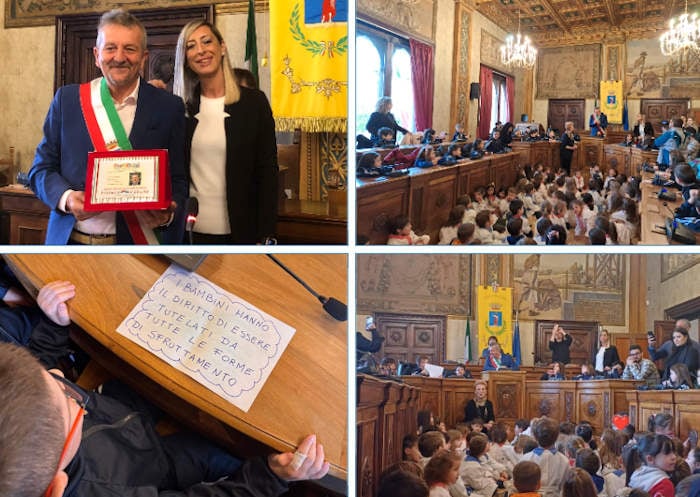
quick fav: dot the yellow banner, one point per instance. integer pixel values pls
(611, 103)
(309, 64)
(495, 316)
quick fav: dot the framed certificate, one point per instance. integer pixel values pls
(127, 180)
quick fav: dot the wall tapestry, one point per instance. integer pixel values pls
(414, 17)
(578, 287)
(415, 284)
(568, 72)
(650, 74)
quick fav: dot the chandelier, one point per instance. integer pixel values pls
(517, 51)
(683, 33)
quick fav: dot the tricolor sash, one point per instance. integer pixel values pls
(108, 135)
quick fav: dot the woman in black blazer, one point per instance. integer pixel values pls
(231, 150)
(607, 355)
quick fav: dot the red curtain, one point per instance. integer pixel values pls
(486, 83)
(422, 75)
(510, 95)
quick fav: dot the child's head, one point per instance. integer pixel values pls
(512, 194)
(464, 200)
(459, 128)
(483, 219)
(457, 441)
(401, 225)
(386, 134)
(498, 433)
(476, 425)
(407, 483)
(526, 476)
(410, 450)
(543, 224)
(490, 189)
(612, 172)
(651, 450)
(430, 442)
(479, 194)
(454, 150)
(577, 173)
(443, 467)
(521, 425)
(478, 444)
(587, 369)
(515, 226)
(426, 153)
(478, 144)
(465, 232)
(370, 159)
(546, 431)
(516, 207)
(588, 460)
(679, 375)
(684, 174)
(661, 424)
(455, 217)
(577, 206)
(525, 444)
(578, 483)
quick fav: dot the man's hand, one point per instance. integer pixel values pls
(75, 204)
(307, 463)
(155, 218)
(52, 301)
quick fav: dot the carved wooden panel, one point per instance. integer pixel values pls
(687, 412)
(409, 336)
(583, 346)
(562, 110)
(376, 205)
(477, 175)
(370, 396)
(503, 172)
(75, 37)
(663, 109)
(438, 201)
(617, 157)
(550, 399)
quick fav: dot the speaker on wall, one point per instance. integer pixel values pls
(474, 91)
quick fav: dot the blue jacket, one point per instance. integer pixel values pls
(60, 160)
(667, 142)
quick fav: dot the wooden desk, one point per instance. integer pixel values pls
(310, 222)
(24, 216)
(427, 195)
(654, 213)
(683, 405)
(306, 392)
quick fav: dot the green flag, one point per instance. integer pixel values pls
(251, 44)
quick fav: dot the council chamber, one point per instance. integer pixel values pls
(431, 327)
(456, 72)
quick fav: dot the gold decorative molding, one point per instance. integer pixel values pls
(459, 112)
(241, 7)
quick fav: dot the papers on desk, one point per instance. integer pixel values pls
(220, 340)
(434, 370)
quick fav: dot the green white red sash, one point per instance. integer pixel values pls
(107, 134)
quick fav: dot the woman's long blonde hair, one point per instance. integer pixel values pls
(185, 79)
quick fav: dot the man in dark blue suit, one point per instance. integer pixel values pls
(151, 119)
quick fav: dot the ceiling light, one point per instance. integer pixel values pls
(517, 51)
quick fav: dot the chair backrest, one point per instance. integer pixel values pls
(7, 167)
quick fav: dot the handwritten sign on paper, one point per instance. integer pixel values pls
(215, 337)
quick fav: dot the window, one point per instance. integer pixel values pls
(383, 67)
(499, 100)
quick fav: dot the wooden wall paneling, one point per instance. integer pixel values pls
(650, 403)
(554, 399)
(477, 173)
(659, 109)
(457, 392)
(561, 110)
(618, 157)
(584, 340)
(376, 204)
(370, 399)
(388, 427)
(623, 342)
(506, 389)
(590, 152)
(409, 336)
(503, 171)
(687, 412)
(438, 201)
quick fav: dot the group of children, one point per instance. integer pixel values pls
(545, 458)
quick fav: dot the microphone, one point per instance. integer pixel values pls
(334, 307)
(192, 207)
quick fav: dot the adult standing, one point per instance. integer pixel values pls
(682, 351)
(642, 129)
(559, 343)
(567, 147)
(607, 355)
(598, 122)
(383, 118)
(480, 407)
(231, 150)
(145, 118)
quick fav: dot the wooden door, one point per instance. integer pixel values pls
(660, 109)
(409, 336)
(75, 38)
(561, 110)
(623, 341)
(584, 336)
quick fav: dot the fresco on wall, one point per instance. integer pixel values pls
(568, 72)
(490, 51)
(673, 264)
(414, 17)
(650, 74)
(578, 287)
(414, 284)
